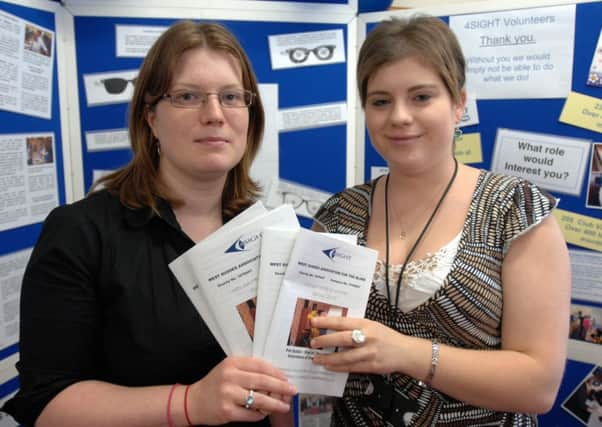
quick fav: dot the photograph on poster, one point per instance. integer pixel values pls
(586, 324)
(246, 310)
(585, 402)
(110, 87)
(39, 150)
(304, 49)
(37, 40)
(314, 410)
(594, 77)
(594, 188)
(302, 332)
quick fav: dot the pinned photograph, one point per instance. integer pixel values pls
(594, 188)
(586, 324)
(594, 78)
(37, 40)
(246, 310)
(305, 49)
(585, 402)
(302, 332)
(39, 150)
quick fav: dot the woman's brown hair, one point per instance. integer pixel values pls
(426, 38)
(138, 184)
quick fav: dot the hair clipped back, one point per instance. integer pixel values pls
(426, 38)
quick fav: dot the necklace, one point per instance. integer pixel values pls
(403, 233)
(418, 239)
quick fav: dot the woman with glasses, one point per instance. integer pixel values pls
(108, 337)
(467, 320)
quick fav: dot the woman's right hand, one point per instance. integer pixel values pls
(220, 396)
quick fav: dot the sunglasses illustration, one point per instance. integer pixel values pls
(116, 85)
(300, 54)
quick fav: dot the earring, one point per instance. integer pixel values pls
(158, 144)
(457, 133)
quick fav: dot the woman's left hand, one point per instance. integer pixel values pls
(378, 354)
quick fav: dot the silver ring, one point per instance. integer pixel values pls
(250, 399)
(358, 336)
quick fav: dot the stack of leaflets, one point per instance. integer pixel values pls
(258, 281)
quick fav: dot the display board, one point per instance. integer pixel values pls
(536, 114)
(305, 104)
(32, 164)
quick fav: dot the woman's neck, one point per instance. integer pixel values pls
(411, 190)
(199, 212)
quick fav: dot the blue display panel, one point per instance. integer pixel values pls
(20, 238)
(301, 153)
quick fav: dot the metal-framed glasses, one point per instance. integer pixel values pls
(296, 201)
(228, 98)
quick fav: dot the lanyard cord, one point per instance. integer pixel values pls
(415, 245)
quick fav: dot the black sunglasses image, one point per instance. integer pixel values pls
(300, 54)
(115, 85)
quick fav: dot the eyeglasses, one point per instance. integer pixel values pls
(296, 201)
(300, 54)
(116, 85)
(229, 98)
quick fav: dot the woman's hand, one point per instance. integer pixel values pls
(220, 396)
(379, 354)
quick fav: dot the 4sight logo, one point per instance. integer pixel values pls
(242, 243)
(333, 253)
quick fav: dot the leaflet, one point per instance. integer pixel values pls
(276, 247)
(225, 271)
(183, 272)
(324, 277)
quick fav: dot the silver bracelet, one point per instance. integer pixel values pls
(434, 363)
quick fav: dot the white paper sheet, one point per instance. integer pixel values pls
(26, 59)
(276, 247)
(225, 270)
(181, 268)
(555, 163)
(521, 53)
(28, 179)
(325, 276)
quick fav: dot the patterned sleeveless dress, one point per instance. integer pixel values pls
(465, 312)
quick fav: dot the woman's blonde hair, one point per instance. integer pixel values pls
(138, 184)
(426, 38)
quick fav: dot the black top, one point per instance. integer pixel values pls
(99, 302)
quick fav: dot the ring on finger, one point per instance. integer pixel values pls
(250, 399)
(358, 336)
